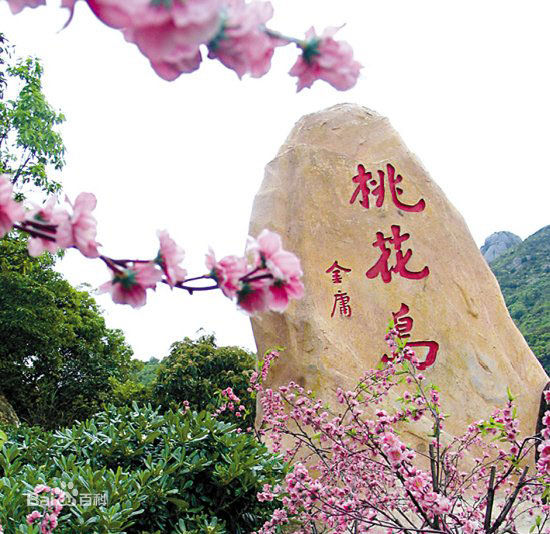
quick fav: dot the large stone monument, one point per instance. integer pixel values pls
(378, 239)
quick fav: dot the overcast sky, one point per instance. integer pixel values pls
(466, 83)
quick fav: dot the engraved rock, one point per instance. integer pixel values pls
(377, 236)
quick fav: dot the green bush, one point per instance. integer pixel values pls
(197, 370)
(138, 385)
(162, 473)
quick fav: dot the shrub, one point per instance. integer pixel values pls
(173, 472)
(197, 371)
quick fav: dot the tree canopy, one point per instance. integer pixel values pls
(197, 370)
(56, 355)
(30, 144)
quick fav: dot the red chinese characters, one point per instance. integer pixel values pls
(341, 298)
(372, 190)
(363, 179)
(336, 271)
(341, 301)
(382, 268)
(403, 324)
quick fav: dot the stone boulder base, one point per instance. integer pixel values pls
(7, 413)
(306, 197)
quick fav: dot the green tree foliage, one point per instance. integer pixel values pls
(56, 354)
(523, 273)
(196, 371)
(138, 385)
(29, 141)
(148, 372)
(179, 473)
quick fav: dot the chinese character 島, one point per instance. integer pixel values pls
(403, 324)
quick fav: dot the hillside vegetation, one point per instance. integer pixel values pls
(523, 273)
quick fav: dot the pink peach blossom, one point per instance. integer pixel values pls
(252, 297)
(113, 13)
(187, 62)
(227, 272)
(10, 211)
(169, 257)
(170, 37)
(395, 454)
(281, 291)
(544, 449)
(79, 229)
(170, 50)
(264, 246)
(59, 494)
(33, 516)
(17, 5)
(47, 215)
(41, 488)
(241, 43)
(323, 58)
(282, 265)
(129, 286)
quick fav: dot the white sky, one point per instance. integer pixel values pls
(466, 83)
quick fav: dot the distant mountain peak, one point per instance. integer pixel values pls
(498, 243)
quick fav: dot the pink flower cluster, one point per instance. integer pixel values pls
(268, 279)
(232, 404)
(324, 58)
(52, 508)
(51, 228)
(171, 33)
(359, 474)
(265, 365)
(11, 212)
(543, 465)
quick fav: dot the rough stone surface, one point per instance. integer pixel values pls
(305, 196)
(7, 413)
(498, 243)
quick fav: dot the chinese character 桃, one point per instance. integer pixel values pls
(364, 179)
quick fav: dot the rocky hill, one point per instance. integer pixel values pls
(497, 244)
(523, 272)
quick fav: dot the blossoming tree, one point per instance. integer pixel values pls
(354, 472)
